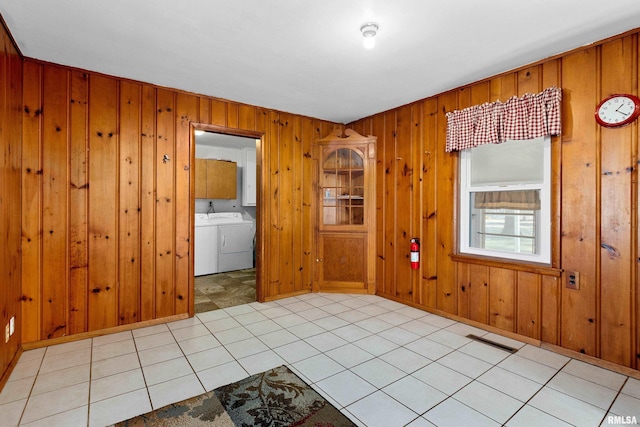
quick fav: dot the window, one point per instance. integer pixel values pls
(343, 187)
(505, 201)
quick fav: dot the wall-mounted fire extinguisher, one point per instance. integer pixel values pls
(415, 253)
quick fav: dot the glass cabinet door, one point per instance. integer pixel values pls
(342, 187)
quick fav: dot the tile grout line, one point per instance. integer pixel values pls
(33, 385)
(613, 401)
(539, 390)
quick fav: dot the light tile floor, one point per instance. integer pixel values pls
(382, 363)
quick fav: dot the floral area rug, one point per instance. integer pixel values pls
(277, 397)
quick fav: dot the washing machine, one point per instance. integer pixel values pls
(223, 242)
(205, 246)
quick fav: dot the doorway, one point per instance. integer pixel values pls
(226, 227)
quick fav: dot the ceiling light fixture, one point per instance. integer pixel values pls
(369, 31)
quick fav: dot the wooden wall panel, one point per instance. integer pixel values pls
(551, 77)
(247, 117)
(617, 174)
(272, 191)
(388, 145)
(551, 304)
(103, 202)
(165, 220)
(463, 281)
(54, 198)
(429, 211)
(580, 170)
(404, 221)
(378, 129)
(297, 155)
(11, 80)
(445, 188)
(502, 297)
(528, 80)
(232, 115)
(478, 291)
(128, 205)
(287, 218)
(148, 203)
(218, 113)
(78, 202)
(11, 211)
(309, 132)
(31, 204)
(186, 112)
(528, 304)
(417, 194)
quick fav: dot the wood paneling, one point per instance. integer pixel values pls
(186, 113)
(594, 211)
(502, 298)
(618, 173)
(528, 304)
(103, 204)
(11, 75)
(403, 203)
(580, 217)
(32, 204)
(445, 166)
(78, 201)
(106, 219)
(147, 203)
(54, 197)
(428, 255)
(107, 205)
(129, 203)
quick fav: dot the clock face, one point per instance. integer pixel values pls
(618, 110)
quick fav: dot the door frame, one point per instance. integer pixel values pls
(258, 136)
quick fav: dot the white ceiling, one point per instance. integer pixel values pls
(307, 57)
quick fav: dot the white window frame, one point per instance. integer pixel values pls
(544, 220)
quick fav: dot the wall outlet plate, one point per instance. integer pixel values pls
(6, 334)
(573, 280)
(12, 325)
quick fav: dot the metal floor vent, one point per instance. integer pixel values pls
(492, 343)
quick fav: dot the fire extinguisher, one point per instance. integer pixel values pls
(415, 253)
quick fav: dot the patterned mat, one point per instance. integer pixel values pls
(277, 397)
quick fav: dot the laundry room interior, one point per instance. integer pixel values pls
(225, 221)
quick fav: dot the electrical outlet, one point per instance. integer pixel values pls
(573, 280)
(12, 325)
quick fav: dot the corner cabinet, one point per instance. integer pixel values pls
(345, 231)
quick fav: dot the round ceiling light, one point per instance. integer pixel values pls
(369, 31)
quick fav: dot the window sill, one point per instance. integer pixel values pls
(511, 265)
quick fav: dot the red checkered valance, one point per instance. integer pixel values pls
(527, 117)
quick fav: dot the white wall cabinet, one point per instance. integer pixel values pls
(249, 190)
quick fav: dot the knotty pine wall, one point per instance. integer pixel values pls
(10, 134)
(595, 231)
(106, 222)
